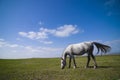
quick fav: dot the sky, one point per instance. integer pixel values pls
(43, 28)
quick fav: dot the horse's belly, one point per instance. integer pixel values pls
(78, 52)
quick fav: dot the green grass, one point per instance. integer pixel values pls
(49, 69)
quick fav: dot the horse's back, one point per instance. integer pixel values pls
(82, 45)
(78, 49)
(81, 48)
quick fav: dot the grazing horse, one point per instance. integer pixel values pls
(80, 49)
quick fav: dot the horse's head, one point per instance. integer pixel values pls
(63, 63)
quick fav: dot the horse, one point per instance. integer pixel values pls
(80, 49)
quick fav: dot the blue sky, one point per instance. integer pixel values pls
(43, 28)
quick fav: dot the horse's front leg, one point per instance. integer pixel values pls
(74, 62)
(70, 62)
(95, 64)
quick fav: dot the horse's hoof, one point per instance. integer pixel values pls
(74, 67)
(95, 67)
(86, 67)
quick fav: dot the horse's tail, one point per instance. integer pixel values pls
(102, 47)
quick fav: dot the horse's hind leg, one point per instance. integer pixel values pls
(88, 60)
(95, 64)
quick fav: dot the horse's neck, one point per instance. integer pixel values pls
(64, 56)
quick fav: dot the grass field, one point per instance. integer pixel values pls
(49, 69)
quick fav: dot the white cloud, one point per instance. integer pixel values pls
(112, 7)
(66, 30)
(41, 35)
(44, 33)
(46, 42)
(9, 50)
(110, 3)
(62, 31)
(115, 45)
(14, 51)
(23, 34)
(6, 44)
(18, 39)
(113, 42)
(1, 39)
(40, 23)
(30, 34)
(2, 43)
(33, 35)
(13, 45)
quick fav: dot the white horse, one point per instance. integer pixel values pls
(80, 49)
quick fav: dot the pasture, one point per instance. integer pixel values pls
(49, 69)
